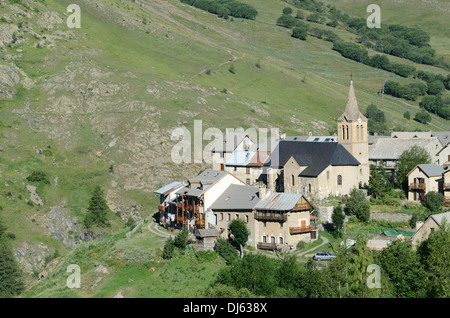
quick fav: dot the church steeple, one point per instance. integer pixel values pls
(352, 133)
(352, 112)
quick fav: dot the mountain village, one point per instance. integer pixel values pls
(272, 186)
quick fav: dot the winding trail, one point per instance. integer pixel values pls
(154, 228)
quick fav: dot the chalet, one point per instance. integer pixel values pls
(223, 147)
(236, 202)
(167, 202)
(194, 199)
(431, 224)
(422, 179)
(282, 220)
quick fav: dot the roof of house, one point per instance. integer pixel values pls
(228, 142)
(240, 158)
(315, 155)
(439, 218)
(237, 197)
(202, 182)
(169, 188)
(211, 232)
(444, 136)
(279, 202)
(259, 159)
(392, 148)
(322, 138)
(431, 170)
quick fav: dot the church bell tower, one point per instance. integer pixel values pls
(353, 135)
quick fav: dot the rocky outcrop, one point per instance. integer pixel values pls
(32, 257)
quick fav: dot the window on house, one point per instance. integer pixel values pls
(246, 218)
(221, 217)
(280, 240)
(237, 216)
(264, 238)
(293, 180)
(229, 217)
(247, 170)
(339, 180)
(309, 187)
(272, 239)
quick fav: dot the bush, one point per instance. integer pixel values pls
(433, 201)
(423, 117)
(300, 33)
(38, 176)
(226, 250)
(357, 205)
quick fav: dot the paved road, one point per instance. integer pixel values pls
(325, 241)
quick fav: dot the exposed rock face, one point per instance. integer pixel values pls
(63, 227)
(31, 257)
(9, 79)
(34, 197)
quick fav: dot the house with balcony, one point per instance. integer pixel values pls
(422, 179)
(195, 198)
(282, 220)
(236, 202)
(167, 203)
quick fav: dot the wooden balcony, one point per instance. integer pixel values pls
(417, 186)
(267, 246)
(302, 207)
(302, 229)
(188, 206)
(271, 217)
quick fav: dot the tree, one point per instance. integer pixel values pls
(379, 183)
(300, 32)
(240, 233)
(407, 115)
(404, 269)
(433, 254)
(225, 250)
(433, 201)
(97, 210)
(356, 204)
(287, 10)
(182, 238)
(338, 221)
(169, 249)
(407, 161)
(11, 283)
(423, 117)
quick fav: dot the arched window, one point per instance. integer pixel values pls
(293, 180)
(339, 180)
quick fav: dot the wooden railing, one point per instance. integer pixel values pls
(274, 217)
(302, 229)
(302, 207)
(417, 186)
(267, 246)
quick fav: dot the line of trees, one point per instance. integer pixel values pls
(404, 273)
(225, 8)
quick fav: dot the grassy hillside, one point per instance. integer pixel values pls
(97, 105)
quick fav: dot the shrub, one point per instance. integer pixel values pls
(433, 201)
(38, 176)
(300, 33)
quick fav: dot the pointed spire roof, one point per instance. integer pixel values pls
(351, 109)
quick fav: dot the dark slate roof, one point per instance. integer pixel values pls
(237, 197)
(315, 155)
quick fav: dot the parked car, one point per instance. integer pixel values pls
(323, 256)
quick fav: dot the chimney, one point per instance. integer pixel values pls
(263, 191)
